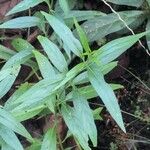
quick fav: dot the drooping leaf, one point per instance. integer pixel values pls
(49, 141)
(65, 34)
(115, 48)
(21, 22)
(84, 113)
(54, 54)
(10, 122)
(105, 92)
(10, 138)
(45, 66)
(99, 27)
(74, 125)
(136, 3)
(24, 5)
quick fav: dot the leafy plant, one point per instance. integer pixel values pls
(61, 90)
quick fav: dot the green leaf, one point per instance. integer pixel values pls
(83, 37)
(83, 77)
(74, 125)
(10, 138)
(6, 53)
(54, 54)
(96, 113)
(89, 92)
(65, 34)
(18, 58)
(42, 25)
(24, 5)
(64, 5)
(84, 114)
(115, 48)
(148, 2)
(20, 22)
(10, 122)
(45, 66)
(35, 146)
(45, 88)
(99, 27)
(36, 95)
(23, 115)
(82, 15)
(106, 93)
(136, 3)
(20, 44)
(22, 88)
(49, 141)
(5, 146)
(8, 80)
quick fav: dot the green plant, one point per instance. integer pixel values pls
(58, 87)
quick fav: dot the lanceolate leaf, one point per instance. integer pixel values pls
(89, 92)
(115, 48)
(24, 5)
(101, 26)
(6, 53)
(21, 22)
(135, 3)
(83, 77)
(82, 15)
(82, 36)
(64, 5)
(7, 120)
(49, 141)
(18, 59)
(106, 93)
(54, 54)
(36, 94)
(10, 138)
(84, 113)
(22, 89)
(73, 122)
(20, 44)
(45, 66)
(8, 81)
(65, 34)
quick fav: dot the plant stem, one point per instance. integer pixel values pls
(59, 138)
